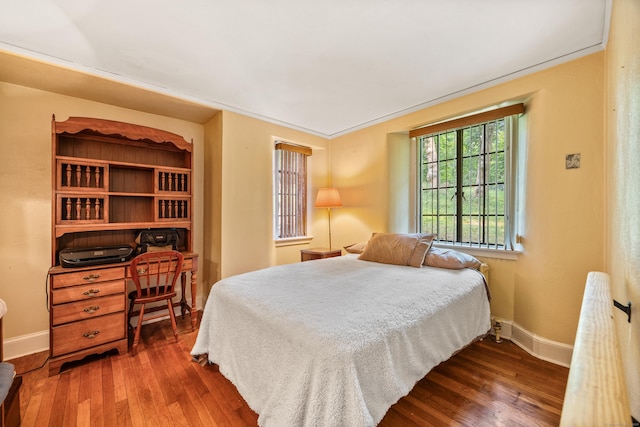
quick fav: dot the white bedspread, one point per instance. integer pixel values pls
(336, 342)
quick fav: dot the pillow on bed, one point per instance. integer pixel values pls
(398, 249)
(449, 258)
(356, 248)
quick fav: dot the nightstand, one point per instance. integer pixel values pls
(319, 253)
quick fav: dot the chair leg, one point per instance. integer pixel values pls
(136, 337)
(129, 315)
(173, 318)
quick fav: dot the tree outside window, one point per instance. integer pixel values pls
(465, 181)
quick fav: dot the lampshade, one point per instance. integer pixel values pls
(328, 198)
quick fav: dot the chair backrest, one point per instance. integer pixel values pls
(157, 272)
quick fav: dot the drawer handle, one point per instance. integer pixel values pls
(141, 270)
(91, 277)
(90, 334)
(92, 309)
(91, 292)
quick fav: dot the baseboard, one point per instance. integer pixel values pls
(537, 346)
(26, 344)
(39, 341)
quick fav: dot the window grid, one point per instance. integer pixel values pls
(290, 194)
(462, 188)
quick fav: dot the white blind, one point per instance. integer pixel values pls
(290, 190)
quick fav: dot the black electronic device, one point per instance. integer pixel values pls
(81, 257)
(157, 239)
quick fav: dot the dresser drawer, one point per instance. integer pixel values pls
(87, 333)
(86, 277)
(85, 292)
(87, 309)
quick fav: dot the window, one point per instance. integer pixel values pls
(290, 184)
(465, 186)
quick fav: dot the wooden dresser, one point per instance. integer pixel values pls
(110, 181)
(87, 312)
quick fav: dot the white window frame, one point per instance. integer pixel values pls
(298, 230)
(514, 192)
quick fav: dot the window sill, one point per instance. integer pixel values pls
(482, 252)
(303, 240)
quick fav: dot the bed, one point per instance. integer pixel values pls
(337, 341)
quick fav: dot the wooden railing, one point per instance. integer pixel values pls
(596, 393)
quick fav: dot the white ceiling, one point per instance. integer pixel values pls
(326, 66)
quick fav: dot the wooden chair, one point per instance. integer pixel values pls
(155, 275)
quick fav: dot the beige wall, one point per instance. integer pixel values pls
(563, 217)
(623, 177)
(212, 208)
(25, 192)
(247, 197)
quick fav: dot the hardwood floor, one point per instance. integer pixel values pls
(486, 384)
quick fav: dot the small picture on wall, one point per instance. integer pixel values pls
(572, 161)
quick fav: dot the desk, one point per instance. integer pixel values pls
(87, 309)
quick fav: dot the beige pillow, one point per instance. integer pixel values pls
(398, 249)
(449, 258)
(356, 248)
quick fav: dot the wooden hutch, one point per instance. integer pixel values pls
(110, 181)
